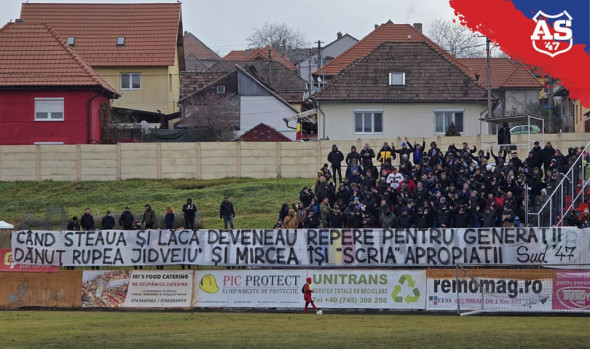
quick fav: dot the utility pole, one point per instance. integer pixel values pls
(489, 76)
(319, 58)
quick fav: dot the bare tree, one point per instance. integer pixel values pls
(278, 35)
(215, 113)
(456, 39)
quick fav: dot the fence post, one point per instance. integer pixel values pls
(78, 163)
(119, 162)
(319, 155)
(159, 160)
(38, 162)
(239, 159)
(278, 147)
(199, 160)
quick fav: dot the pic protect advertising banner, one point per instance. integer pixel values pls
(571, 290)
(499, 294)
(7, 264)
(351, 289)
(305, 247)
(137, 288)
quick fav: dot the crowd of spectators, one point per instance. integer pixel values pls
(412, 186)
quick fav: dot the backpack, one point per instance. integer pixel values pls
(303, 289)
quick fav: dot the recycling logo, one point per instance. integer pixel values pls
(408, 285)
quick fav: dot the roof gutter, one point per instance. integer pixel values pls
(88, 127)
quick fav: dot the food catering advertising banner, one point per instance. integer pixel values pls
(350, 289)
(137, 288)
(304, 248)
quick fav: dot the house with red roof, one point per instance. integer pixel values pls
(402, 88)
(515, 87)
(137, 48)
(197, 55)
(48, 93)
(267, 53)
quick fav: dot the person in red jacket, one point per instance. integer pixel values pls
(307, 295)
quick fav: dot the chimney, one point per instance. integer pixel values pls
(338, 35)
(376, 26)
(19, 20)
(418, 27)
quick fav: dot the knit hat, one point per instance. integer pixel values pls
(308, 279)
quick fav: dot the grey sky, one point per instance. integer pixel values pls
(224, 24)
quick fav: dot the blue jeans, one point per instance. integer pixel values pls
(228, 219)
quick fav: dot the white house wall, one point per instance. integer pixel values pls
(264, 109)
(399, 119)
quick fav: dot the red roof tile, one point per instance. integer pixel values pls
(150, 30)
(35, 55)
(385, 32)
(259, 54)
(263, 133)
(235, 56)
(192, 45)
(505, 73)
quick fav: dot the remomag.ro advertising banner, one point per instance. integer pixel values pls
(490, 292)
(351, 289)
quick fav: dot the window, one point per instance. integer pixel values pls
(130, 81)
(49, 109)
(121, 41)
(368, 121)
(443, 119)
(220, 89)
(397, 79)
(71, 41)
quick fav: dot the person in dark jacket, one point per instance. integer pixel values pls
(226, 211)
(108, 222)
(169, 218)
(417, 151)
(335, 159)
(73, 224)
(353, 155)
(189, 209)
(462, 218)
(404, 220)
(547, 155)
(336, 219)
(87, 221)
(126, 219)
(367, 156)
(403, 151)
(504, 135)
(149, 217)
(311, 221)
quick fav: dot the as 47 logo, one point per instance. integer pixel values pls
(556, 39)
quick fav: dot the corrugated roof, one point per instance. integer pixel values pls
(429, 77)
(150, 30)
(388, 31)
(35, 55)
(505, 73)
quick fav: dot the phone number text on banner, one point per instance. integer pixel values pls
(305, 247)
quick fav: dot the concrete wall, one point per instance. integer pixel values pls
(209, 160)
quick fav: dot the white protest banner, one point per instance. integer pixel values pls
(306, 247)
(508, 294)
(137, 289)
(271, 288)
(350, 289)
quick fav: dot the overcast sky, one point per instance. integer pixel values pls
(223, 25)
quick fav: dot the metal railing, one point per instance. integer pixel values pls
(565, 197)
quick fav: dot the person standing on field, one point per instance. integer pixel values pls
(149, 217)
(307, 295)
(189, 210)
(108, 222)
(169, 218)
(87, 221)
(126, 219)
(335, 158)
(226, 211)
